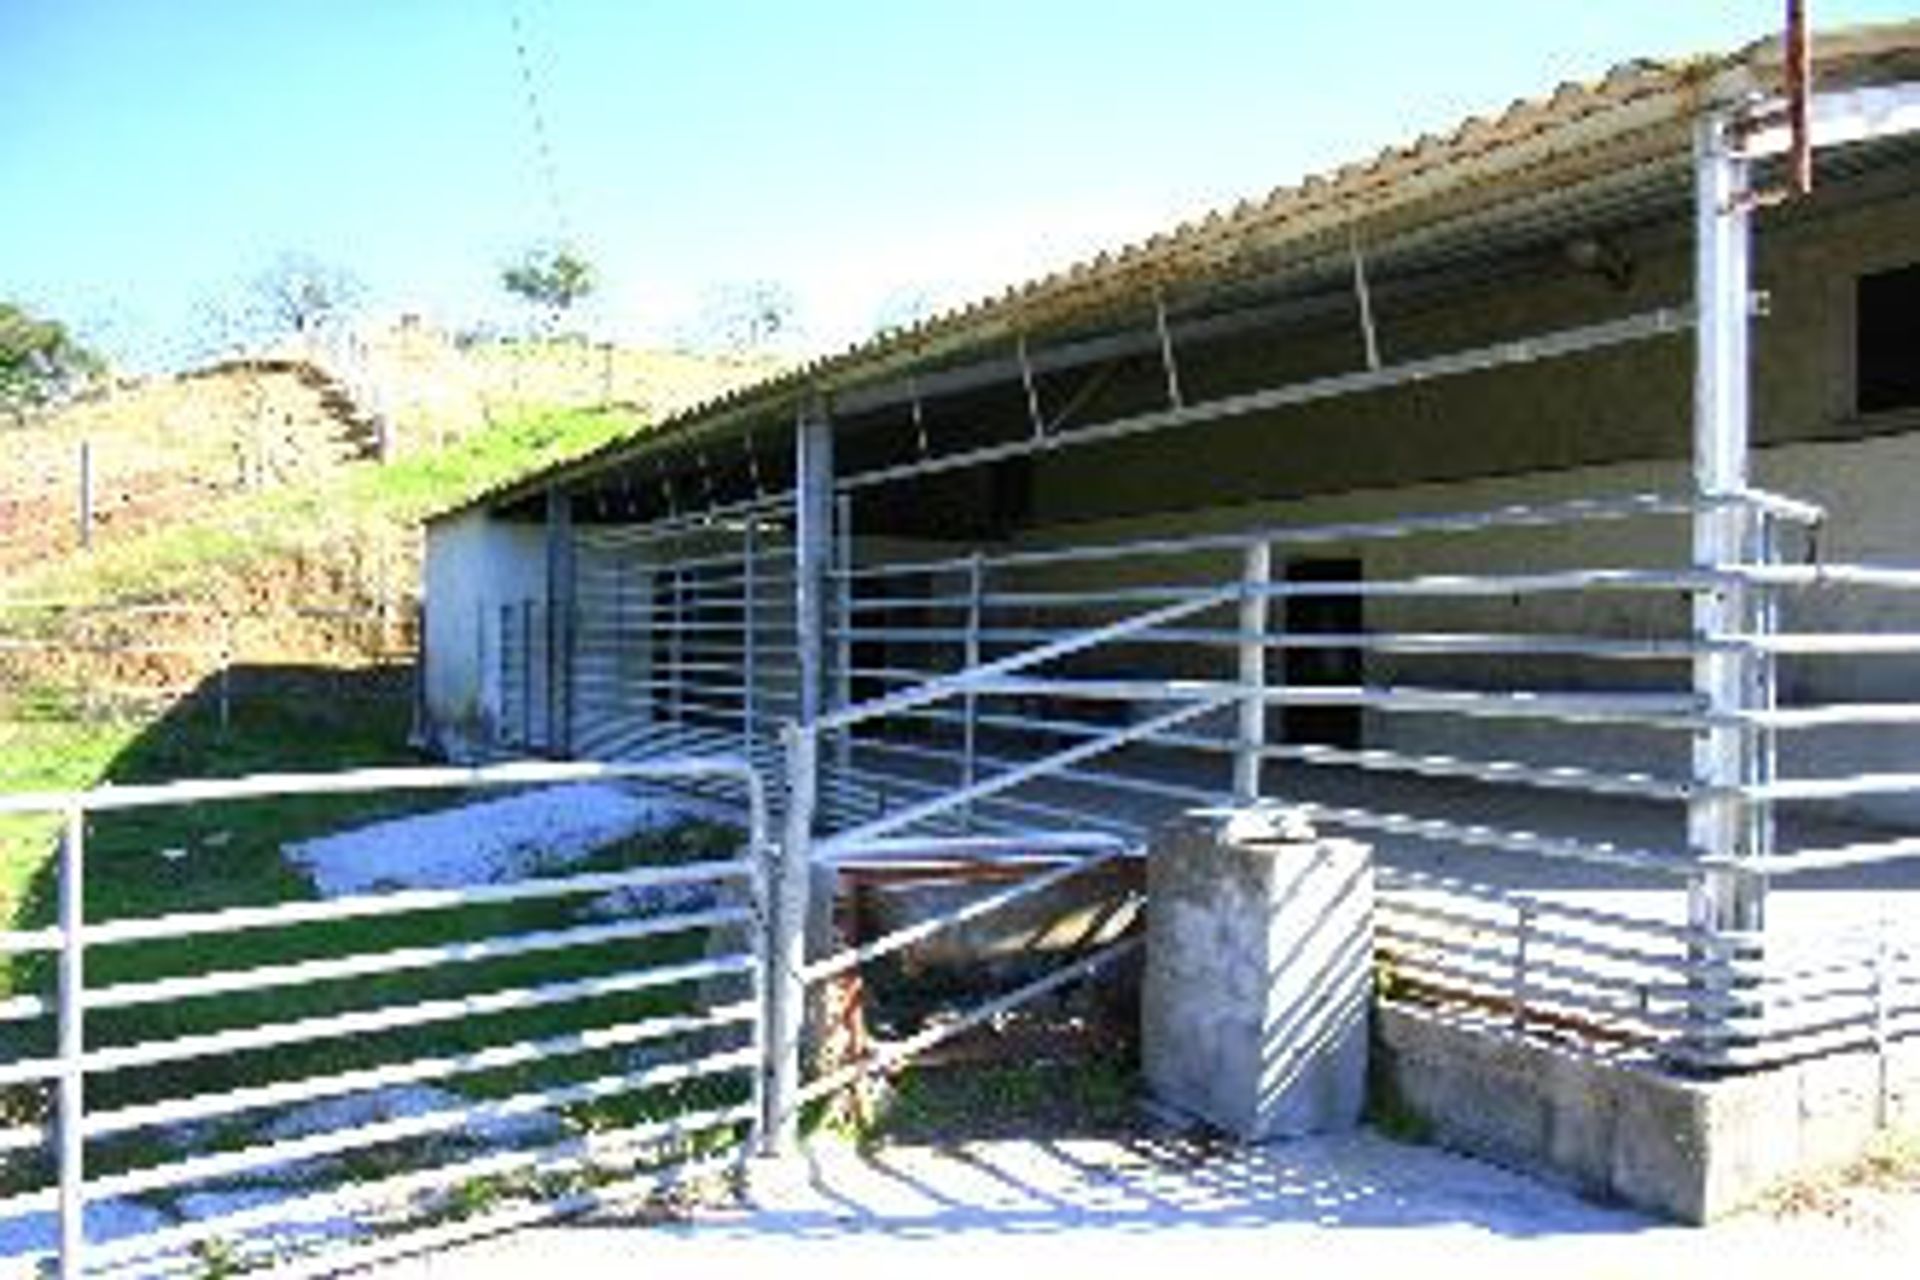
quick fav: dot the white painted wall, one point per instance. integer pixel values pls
(473, 566)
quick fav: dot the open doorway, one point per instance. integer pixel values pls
(1332, 613)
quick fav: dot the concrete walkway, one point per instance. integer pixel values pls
(1145, 1206)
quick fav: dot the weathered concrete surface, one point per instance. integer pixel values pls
(1691, 1150)
(1147, 1206)
(1258, 975)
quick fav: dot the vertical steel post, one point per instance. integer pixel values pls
(749, 619)
(970, 701)
(1882, 1022)
(84, 515)
(842, 668)
(226, 671)
(503, 664)
(813, 552)
(72, 1153)
(786, 945)
(526, 674)
(1522, 943)
(676, 648)
(1724, 899)
(560, 597)
(1256, 575)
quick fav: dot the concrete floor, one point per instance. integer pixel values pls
(1147, 1205)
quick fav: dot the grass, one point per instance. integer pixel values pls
(204, 857)
(208, 857)
(357, 514)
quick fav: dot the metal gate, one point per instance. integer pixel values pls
(313, 1085)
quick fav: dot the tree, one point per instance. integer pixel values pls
(553, 279)
(40, 362)
(299, 293)
(753, 316)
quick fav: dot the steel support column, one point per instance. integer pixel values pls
(1721, 825)
(787, 918)
(1256, 574)
(560, 622)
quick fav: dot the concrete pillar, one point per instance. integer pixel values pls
(1258, 977)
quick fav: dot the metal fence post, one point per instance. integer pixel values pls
(1522, 942)
(749, 617)
(84, 515)
(1725, 900)
(560, 619)
(843, 646)
(786, 942)
(970, 702)
(72, 1089)
(1256, 574)
(1882, 1029)
(226, 671)
(526, 674)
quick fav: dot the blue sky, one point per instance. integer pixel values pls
(155, 155)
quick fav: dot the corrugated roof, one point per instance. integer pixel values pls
(1642, 99)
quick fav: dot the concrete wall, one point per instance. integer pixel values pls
(1692, 1150)
(473, 565)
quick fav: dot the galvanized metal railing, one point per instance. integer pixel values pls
(110, 1096)
(1478, 692)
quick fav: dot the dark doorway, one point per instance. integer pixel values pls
(1332, 613)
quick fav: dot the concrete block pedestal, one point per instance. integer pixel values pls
(1258, 974)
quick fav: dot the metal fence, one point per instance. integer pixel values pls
(651, 1018)
(1504, 701)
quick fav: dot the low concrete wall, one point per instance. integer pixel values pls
(1692, 1150)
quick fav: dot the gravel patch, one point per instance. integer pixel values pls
(480, 843)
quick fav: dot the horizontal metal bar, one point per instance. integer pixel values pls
(110, 798)
(1408, 880)
(1488, 979)
(1829, 715)
(1876, 577)
(1038, 846)
(224, 1164)
(948, 686)
(1835, 857)
(1656, 710)
(1860, 784)
(1551, 778)
(1565, 342)
(899, 939)
(887, 1055)
(1841, 116)
(128, 995)
(573, 1153)
(407, 902)
(1846, 644)
(960, 796)
(1408, 916)
(419, 1070)
(1670, 984)
(1477, 835)
(1574, 511)
(368, 1021)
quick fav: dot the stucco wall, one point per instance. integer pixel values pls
(473, 565)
